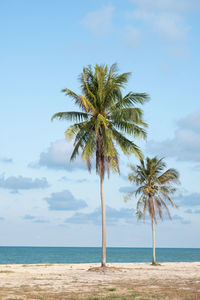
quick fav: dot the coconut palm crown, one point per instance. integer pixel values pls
(155, 187)
(104, 120)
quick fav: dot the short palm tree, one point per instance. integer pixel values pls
(104, 119)
(154, 189)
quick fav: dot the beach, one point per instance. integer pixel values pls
(89, 281)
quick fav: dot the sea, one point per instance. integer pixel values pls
(35, 255)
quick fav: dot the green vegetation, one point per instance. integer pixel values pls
(111, 289)
(6, 271)
(104, 120)
(154, 189)
(119, 297)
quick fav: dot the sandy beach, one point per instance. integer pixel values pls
(88, 281)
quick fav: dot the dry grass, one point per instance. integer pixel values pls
(144, 290)
(105, 270)
(81, 282)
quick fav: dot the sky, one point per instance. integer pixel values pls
(44, 199)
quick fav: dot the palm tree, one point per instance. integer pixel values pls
(104, 120)
(154, 188)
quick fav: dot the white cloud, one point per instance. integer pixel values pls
(28, 217)
(192, 121)
(99, 21)
(180, 5)
(114, 216)
(185, 145)
(180, 219)
(170, 25)
(189, 200)
(6, 160)
(58, 156)
(35, 219)
(22, 183)
(165, 17)
(64, 201)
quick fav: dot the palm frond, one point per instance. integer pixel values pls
(169, 176)
(71, 116)
(105, 117)
(90, 146)
(130, 100)
(127, 146)
(130, 128)
(130, 114)
(155, 187)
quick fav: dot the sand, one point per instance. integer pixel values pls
(88, 281)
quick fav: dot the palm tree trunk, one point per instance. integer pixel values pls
(153, 239)
(103, 213)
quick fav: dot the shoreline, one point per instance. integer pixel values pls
(87, 281)
(109, 264)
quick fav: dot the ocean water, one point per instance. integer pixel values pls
(34, 255)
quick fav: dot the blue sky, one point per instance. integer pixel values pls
(45, 200)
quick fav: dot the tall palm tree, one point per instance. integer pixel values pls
(154, 189)
(104, 120)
